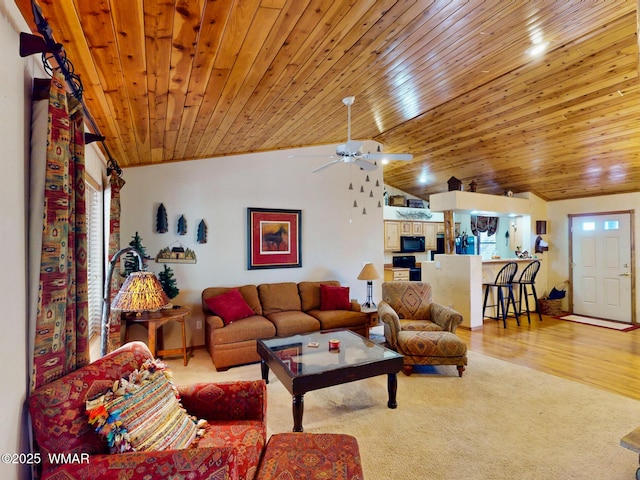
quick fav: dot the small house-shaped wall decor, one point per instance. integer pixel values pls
(176, 254)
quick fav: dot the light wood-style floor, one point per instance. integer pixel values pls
(596, 356)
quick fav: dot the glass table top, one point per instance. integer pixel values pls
(307, 354)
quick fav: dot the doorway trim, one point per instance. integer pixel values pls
(632, 247)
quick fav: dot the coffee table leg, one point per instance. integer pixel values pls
(392, 387)
(298, 410)
(265, 371)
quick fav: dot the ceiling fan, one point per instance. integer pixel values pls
(351, 150)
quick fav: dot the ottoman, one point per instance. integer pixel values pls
(431, 348)
(307, 456)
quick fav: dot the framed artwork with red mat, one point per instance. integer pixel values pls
(273, 238)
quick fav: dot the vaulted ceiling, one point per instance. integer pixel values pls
(449, 81)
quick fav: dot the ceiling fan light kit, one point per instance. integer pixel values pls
(351, 150)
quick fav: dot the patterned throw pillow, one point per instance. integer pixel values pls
(143, 413)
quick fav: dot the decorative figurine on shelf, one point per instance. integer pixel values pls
(472, 186)
(162, 222)
(202, 232)
(182, 225)
(454, 184)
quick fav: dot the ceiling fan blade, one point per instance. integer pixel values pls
(388, 156)
(363, 164)
(322, 167)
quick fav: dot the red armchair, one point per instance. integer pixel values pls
(230, 448)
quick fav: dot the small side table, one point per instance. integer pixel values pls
(372, 313)
(154, 321)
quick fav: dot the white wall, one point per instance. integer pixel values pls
(337, 239)
(15, 82)
(558, 231)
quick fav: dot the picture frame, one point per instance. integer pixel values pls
(273, 238)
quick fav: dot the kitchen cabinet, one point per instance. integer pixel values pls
(440, 226)
(396, 274)
(392, 236)
(430, 232)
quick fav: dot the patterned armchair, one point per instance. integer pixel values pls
(422, 331)
(230, 448)
(411, 304)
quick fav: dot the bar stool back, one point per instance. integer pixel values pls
(527, 280)
(503, 281)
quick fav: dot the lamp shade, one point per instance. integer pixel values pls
(140, 292)
(369, 272)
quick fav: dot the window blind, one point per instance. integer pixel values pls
(95, 266)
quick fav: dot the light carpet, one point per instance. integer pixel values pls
(499, 421)
(597, 322)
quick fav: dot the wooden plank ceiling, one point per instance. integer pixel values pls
(448, 81)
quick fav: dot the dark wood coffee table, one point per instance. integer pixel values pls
(302, 367)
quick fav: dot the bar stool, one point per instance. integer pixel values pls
(527, 279)
(504, 280)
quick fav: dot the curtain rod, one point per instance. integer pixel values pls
(73, 80)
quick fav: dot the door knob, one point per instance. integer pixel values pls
(625, 274)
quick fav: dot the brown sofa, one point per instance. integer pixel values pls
(280, 309)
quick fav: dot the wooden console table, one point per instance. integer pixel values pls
(154, 321)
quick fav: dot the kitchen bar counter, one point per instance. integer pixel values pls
(505, 260)
(490, 268)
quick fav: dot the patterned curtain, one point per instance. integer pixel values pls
(116, 183)
(61, 334)
(483, 224)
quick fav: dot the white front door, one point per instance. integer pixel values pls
(601, 265)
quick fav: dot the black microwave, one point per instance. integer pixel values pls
(411, 244)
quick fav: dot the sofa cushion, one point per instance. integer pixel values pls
(142, 413)
(293, 322)
(310, 293)
(248, 292)
(334, 298)
(230, 306)
(250, 328)
(279, 297)
(330, 319)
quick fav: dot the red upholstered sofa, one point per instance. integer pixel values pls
(231, 447)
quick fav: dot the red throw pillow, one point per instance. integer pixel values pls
(230, 306)
(334, 298)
